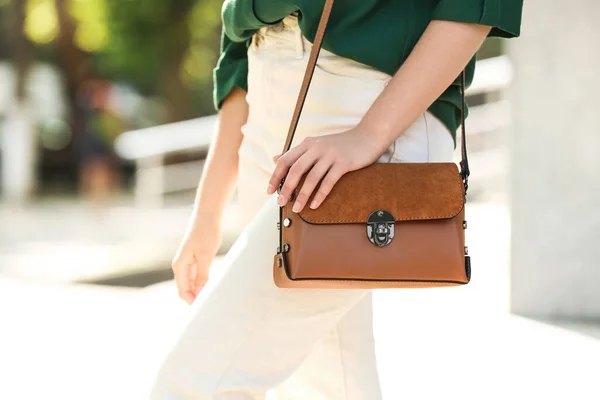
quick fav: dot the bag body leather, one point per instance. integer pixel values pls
(388, 225)
(329, 247)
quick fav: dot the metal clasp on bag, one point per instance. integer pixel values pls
(380, 228)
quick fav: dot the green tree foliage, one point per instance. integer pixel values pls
(167, 48)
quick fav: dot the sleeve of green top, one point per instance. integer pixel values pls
(231, 69)
(504, 16)
(271, 11)
(240, 20)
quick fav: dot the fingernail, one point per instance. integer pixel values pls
(296, 207)
(270, 189)
(314, 204)
(280, 200)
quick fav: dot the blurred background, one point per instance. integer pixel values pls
(106, 117)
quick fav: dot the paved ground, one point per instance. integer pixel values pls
(66, 240)
(65, 341)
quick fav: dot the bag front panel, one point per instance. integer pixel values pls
(420, 251)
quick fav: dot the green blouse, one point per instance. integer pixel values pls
(355, 27)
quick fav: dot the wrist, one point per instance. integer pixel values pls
(375, 136)
(204, 220)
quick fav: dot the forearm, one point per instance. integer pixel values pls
(221, 168)
(435, 62)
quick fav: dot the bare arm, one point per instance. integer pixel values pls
(202, 239)
(435, 62)
(220, 171)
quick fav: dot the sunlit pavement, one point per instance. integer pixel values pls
(68, 240)
(61, 341)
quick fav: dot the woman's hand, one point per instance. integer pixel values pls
(416, 84)
(324, 159)
(194, 258)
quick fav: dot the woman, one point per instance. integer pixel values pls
(385, 90)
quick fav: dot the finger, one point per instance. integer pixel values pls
(276, 158)
(200, 283)
(201, 277)
(317, 172)
(334, 175)
(182, 279)
(192, 277)
(284, 163)
(282, 166)
(295, 173)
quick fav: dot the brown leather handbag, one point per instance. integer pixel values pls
(391, 225)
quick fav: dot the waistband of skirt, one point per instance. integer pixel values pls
(287, 31)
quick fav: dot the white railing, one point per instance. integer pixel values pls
(149, 148)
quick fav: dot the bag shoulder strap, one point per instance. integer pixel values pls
(308, 74)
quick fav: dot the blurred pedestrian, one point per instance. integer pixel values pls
(385, 89)
(99, 165)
